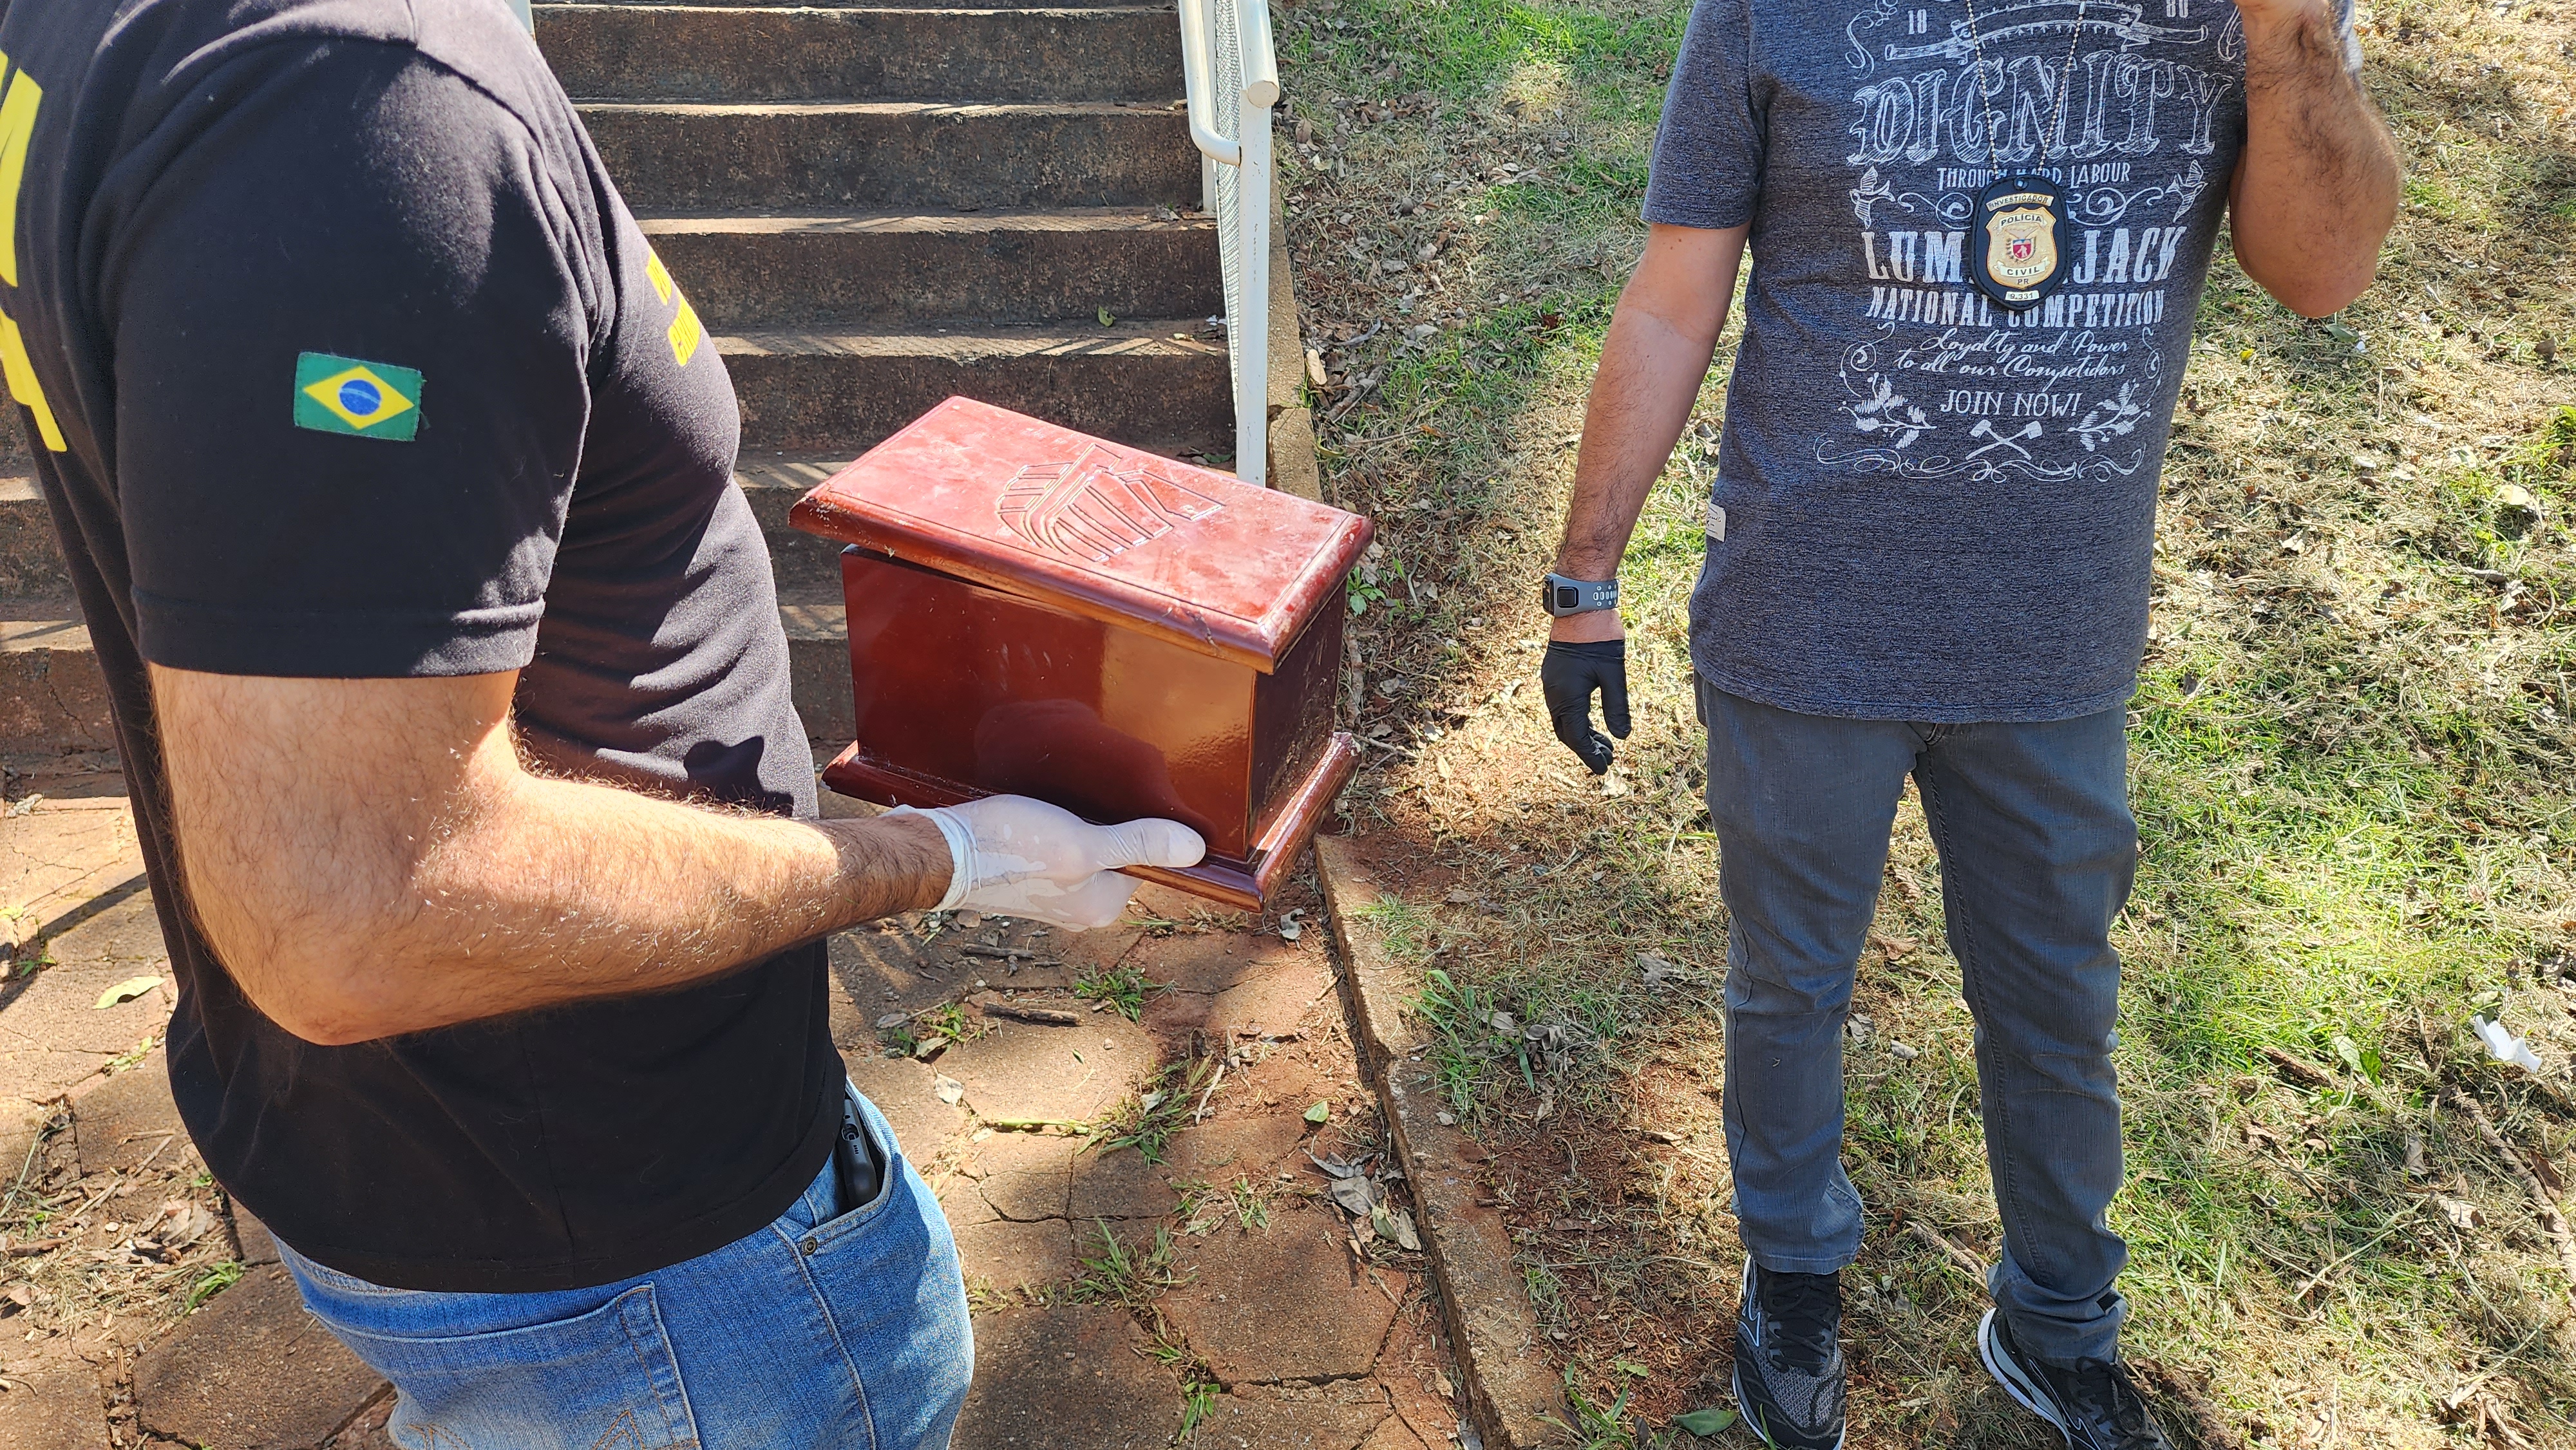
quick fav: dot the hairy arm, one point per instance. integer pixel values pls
(2316, 189)
(1652, 364)
(370, 857)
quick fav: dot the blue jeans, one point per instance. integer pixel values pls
(837, 1325)
(2037, 852)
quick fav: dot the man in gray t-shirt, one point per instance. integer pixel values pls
(1980, 230)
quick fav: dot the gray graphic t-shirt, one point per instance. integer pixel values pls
(1929, 507)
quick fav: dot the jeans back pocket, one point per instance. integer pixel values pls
(605, 1380)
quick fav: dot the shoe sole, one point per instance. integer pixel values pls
(2016, 1384)
(1744, 1413)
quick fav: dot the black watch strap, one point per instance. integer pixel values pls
(1562, 596)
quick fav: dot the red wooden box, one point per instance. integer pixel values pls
(1037, 612)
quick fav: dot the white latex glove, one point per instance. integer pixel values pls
(1012, 856)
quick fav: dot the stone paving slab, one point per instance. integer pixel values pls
(1008, 1256)
(1329, 1417)
(1024, 1176)
(54, 1403)
(54, 1035)
(1052, 1074)
(1124, 1185)
(128, 1118)
(1274, 989)
(61, 856)
(252, 1371)
(1068, 1375)
(1283, 1304)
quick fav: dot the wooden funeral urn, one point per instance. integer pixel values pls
(1036, 612)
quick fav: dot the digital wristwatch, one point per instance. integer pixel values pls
(1563, 596)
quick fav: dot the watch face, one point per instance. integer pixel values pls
(1567, 597)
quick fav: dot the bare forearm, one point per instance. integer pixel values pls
(549, 890)
(1652, 364)
(1641, 397)
(2316, 188)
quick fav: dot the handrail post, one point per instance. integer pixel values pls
(1249, 335)
(1243, 245)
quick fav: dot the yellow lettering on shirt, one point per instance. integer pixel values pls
(17, 128)
(686, 333)
(658, 275)
(23, 386)
(18, 106)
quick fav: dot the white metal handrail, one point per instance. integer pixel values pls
(1231, 77)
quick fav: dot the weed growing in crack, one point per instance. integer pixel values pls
(1130, 1277)
(214, 1281)
(1124, 989)
(1146, 1123)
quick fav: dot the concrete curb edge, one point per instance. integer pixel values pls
(1493, 1329)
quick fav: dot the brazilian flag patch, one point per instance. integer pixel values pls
(361, 399)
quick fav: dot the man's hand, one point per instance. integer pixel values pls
(1569, 676)
(1013, 856)
(2316, 188)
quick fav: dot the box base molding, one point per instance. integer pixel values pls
(1246, 885)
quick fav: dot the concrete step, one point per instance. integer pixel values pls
(707, 159)
(693, 52)
(879, 5)
(53, 698)
(766, 272)
(815, 393)
(31, 562)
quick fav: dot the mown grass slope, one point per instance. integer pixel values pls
(2354, 751)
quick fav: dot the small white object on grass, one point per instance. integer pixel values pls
(2503, 1046)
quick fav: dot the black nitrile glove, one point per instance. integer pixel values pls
(1568, 676)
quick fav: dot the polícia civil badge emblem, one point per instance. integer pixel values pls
(2015, 253)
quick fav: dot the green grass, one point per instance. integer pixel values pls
(1147, 1122)
(2353, 752)
(1123, 988)
(1131, 1276)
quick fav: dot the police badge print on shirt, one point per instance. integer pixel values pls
(2026, 175)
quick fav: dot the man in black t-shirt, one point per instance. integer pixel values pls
(385, 455)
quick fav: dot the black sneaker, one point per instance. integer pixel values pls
(1789, 1359)
(2092, 1402)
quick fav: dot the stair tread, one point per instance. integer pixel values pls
(24, 628)
(1108, 219)
(1152, 337)
(27, 624)
(1083, 11)
(883, 108)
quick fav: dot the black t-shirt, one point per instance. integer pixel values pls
(340, 356)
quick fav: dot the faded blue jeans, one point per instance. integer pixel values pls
(836, 1326)
(2037, 853)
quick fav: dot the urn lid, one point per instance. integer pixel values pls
(1094, 528)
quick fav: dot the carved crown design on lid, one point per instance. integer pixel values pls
(1102, 504)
